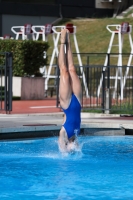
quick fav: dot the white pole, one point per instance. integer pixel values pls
(130, 57)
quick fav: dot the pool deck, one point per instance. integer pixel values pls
(33, 116)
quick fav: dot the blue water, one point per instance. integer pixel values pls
(35, 169)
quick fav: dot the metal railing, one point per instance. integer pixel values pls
(6, 82)
(109, 87)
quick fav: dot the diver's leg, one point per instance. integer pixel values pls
(75, 82)
(65, 89)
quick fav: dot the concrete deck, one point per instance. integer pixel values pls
(43, 116)
(52, 121)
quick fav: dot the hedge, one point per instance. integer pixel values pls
(27, 55)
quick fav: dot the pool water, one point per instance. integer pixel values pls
(35, 169)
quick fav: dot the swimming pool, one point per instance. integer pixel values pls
(34, 169)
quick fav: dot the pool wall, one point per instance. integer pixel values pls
(51, 131)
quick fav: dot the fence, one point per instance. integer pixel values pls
(110, 88)
(6, 82)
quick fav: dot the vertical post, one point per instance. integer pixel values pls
(107, 97)
(5, 89)
(10, 58)
(80, 74)
(132, 87)
(87, 74)
(57, 86)
(55, 72)
(60, 10)
(108, 65)
(1, 89)
(103, 90)
(8, 82)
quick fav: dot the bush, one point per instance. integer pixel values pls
(27, 55)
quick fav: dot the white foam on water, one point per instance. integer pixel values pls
(56, 154)
(45, 148)
(51, 155)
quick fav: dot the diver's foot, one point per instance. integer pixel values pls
(68, 36)
(63, 38)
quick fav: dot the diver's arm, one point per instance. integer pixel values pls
(62, 141)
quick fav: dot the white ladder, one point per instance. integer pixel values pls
(128, 64)
(120, 30)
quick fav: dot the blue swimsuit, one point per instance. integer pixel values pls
(73, 119)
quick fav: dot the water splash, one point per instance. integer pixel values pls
(46, 148)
